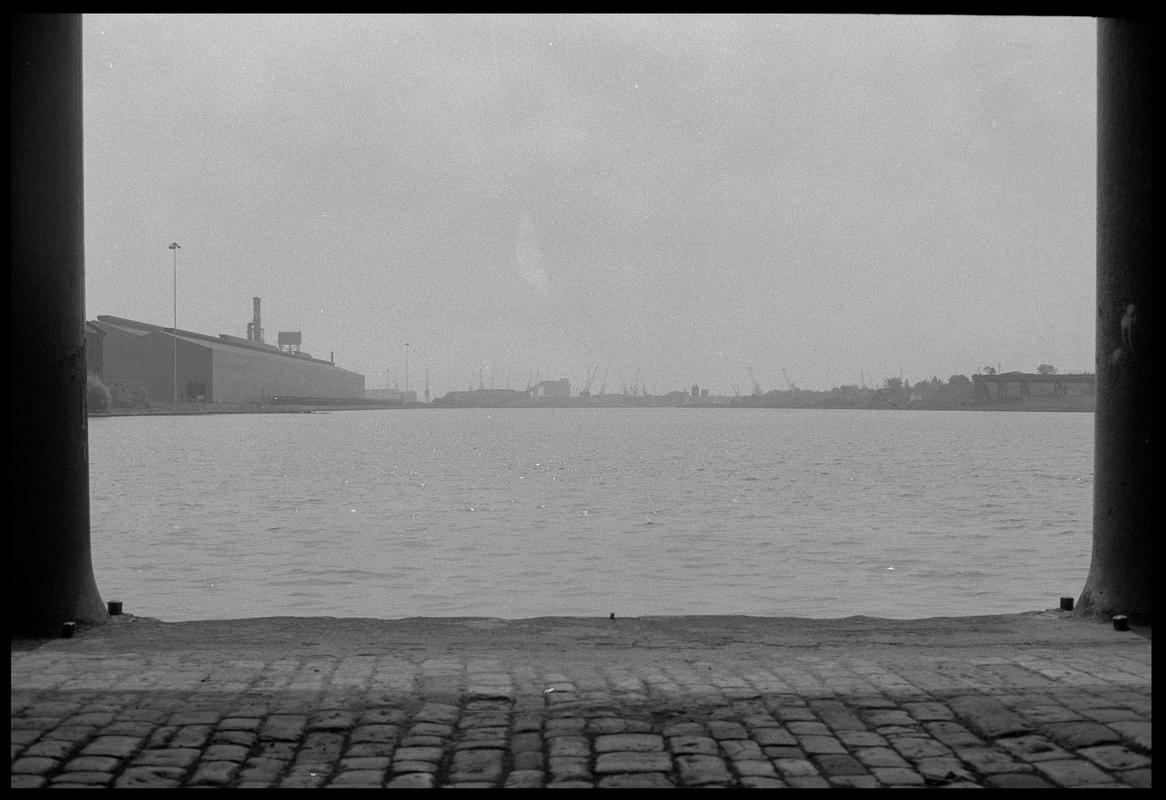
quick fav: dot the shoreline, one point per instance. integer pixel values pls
(1049, 628)
(215, 408)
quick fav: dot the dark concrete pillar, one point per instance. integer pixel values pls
(1120, 580)
(50, 572)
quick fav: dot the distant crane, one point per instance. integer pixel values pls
(788, 382)
(756, 385)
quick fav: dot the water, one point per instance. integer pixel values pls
(583, 512)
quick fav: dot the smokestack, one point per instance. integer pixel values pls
(257, 330)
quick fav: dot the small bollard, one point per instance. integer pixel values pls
(1066, 603)
(68, 629)
(115, 607)
(1121, 622)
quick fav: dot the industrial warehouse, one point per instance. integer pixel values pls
(184, 366)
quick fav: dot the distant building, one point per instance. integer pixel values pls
(391, 395)
(1022, 387)
(210, 369)
(559, 388)
(484, 398)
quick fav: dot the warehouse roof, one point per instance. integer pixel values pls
(223, 341)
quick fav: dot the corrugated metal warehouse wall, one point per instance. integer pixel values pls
(210, 369)
(148, 358)
(241, 376)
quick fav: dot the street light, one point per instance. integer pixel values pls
(406, 369)
(175, 247)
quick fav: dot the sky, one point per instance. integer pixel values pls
(458, 200)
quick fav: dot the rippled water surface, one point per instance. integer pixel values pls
(583, 512)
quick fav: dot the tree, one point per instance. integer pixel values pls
(97, 397)
(129, 394)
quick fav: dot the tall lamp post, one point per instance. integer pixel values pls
(174, 246)
(406, 368)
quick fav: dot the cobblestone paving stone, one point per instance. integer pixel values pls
(772, 717)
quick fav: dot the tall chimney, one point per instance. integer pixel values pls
(258, 331)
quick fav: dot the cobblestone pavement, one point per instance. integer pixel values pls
(652, 702)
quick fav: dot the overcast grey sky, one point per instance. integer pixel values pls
(675, 197)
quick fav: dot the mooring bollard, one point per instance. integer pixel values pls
(68, 629)
(115, 607)
(1121, 622)
(1066, 603)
